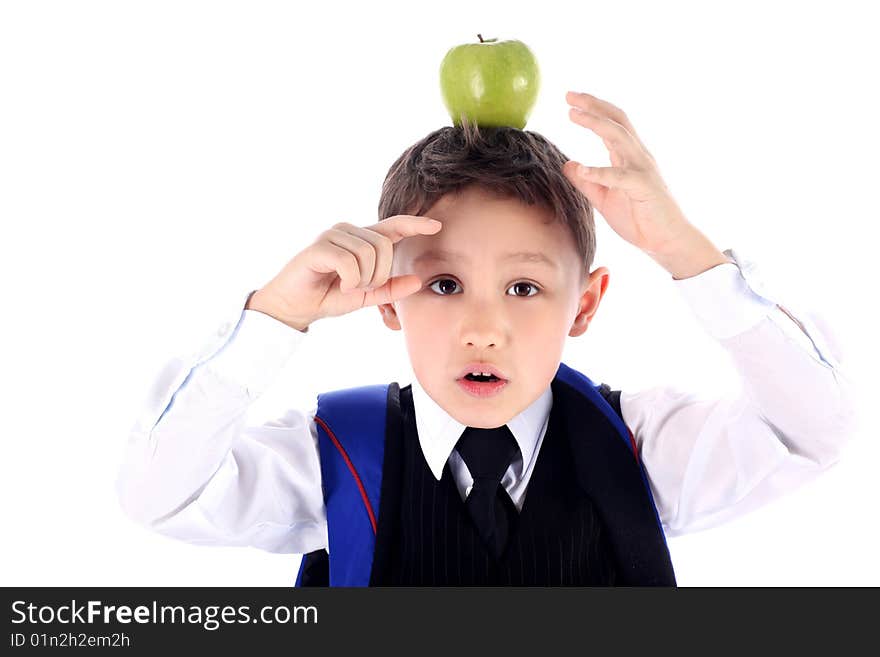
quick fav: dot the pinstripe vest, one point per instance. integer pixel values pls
(557, 540)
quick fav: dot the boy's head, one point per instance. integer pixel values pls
(497, 192)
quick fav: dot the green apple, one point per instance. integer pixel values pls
(492, 83)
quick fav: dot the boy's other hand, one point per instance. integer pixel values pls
(346, 268)
(631, 195)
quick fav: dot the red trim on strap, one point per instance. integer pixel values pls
(632, 441)
(353, 471)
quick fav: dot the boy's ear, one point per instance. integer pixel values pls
(588, 303)
(389, 316)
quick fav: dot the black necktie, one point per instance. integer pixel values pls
(487, 454)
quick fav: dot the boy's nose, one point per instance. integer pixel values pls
(483, 328)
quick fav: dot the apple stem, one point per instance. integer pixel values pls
(480, 37)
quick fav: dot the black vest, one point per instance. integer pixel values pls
(425, 536)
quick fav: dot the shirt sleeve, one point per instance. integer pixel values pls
(194, 471)
(711, 460)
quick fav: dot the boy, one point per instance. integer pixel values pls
(499, 464)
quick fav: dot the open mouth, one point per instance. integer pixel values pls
(481, 386)
(482, 379)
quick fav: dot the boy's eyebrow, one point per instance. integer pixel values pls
(517, 256)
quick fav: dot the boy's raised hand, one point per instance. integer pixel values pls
(346, 268)
(630, 194)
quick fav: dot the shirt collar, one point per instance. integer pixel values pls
(439, 431)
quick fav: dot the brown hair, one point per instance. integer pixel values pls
(504, 160)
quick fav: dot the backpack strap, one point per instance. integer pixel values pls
(351, 440)
(611, 396)
(314, 569)
(608, 401)
(613, 399)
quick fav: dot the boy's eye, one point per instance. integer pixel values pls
(447, 285)
(524, 285)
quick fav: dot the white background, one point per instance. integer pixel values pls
(160, 159)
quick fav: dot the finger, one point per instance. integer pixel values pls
(630, 180)
(400, 226)
(394, 289)
(590, 103)
(362, 250)
(384, 235)
(383, 249)
(595, 192)
(329, 257)
(614, 135)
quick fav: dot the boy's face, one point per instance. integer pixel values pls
(480, 307)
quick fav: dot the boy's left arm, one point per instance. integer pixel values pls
(710, 460)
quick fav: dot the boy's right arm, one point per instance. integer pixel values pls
(193, 470)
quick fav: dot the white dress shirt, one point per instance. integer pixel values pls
(195, 472)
